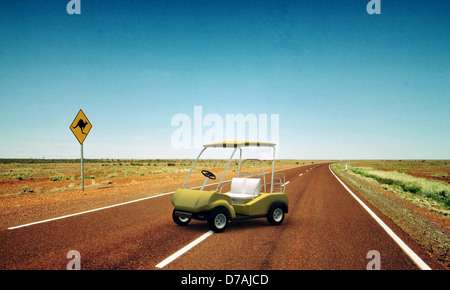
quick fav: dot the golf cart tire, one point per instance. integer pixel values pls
(218, 220)
(276, 213)
(180, 220)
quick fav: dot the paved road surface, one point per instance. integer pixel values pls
(326, 228)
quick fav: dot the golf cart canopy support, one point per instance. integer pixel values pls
(235, 145)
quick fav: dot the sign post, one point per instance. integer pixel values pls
(82, 169)
(80, 127)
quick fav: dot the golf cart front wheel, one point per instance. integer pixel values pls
(218, 221)
(276, 215)
(181, 221)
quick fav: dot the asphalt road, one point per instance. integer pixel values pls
(326, 228)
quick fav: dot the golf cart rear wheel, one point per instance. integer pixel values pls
(181, 221)
(218, 221)
(276, 215)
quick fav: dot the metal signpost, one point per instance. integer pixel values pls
(80, 127)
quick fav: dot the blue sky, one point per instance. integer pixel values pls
(344, 83)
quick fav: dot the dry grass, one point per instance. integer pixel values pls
(433, 190)
(428, 169)
(23, 177)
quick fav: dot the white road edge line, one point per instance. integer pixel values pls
(114, 205)
(416, 259)
(87, 211)
(186, 248)
(96, 209)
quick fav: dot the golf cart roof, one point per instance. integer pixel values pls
(234, 144)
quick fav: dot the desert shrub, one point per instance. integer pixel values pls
(57, 177)
(26, 189)
(22, 174)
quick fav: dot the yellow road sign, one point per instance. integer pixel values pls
(80, 126)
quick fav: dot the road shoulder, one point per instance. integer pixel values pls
(424, 227)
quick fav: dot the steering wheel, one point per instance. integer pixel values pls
(208, 174)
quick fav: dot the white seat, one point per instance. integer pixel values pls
(244, 189)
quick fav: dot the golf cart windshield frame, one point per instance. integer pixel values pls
(237, 145)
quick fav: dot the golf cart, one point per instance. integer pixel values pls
(249, 195)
